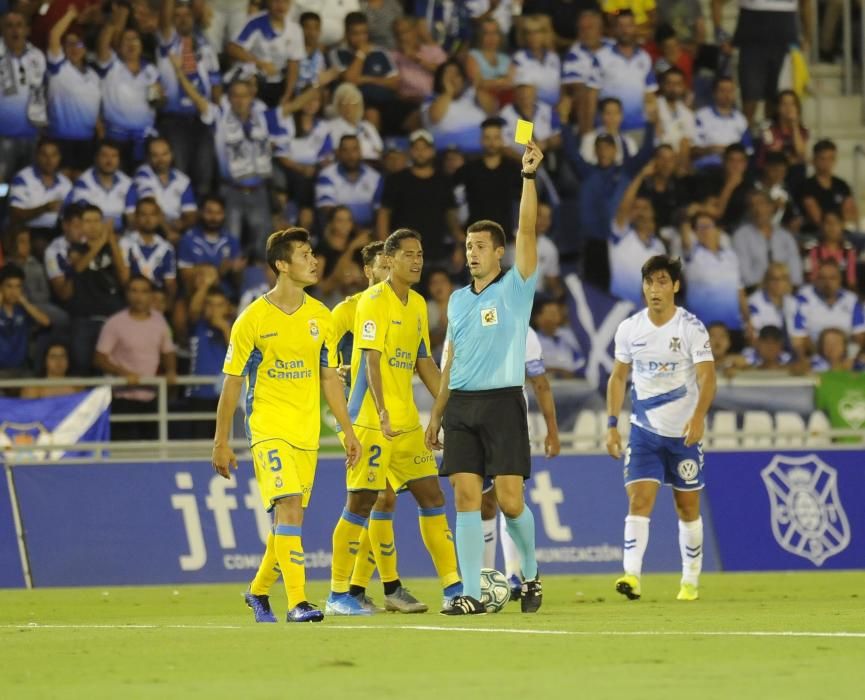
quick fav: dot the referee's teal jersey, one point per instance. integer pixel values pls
(487, 333)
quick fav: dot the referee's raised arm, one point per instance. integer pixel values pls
(527, 239)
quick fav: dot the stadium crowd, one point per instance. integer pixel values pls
(148, 148)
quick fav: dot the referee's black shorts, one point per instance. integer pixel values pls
(487, 433)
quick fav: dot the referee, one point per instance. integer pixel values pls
(481, 400)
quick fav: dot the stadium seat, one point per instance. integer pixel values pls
(724, 422)
(585, 432)
(818, 430)
(790, 429)
(757, 429)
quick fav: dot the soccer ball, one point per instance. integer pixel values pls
(495, 591)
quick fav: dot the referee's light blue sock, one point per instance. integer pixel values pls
(470, 551)
(522, 532)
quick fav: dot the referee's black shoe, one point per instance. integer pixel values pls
(464, 605)
(532, 596)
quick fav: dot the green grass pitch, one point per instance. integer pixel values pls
(750, 636)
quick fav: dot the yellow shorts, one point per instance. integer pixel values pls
(283, 470)
(398, 461)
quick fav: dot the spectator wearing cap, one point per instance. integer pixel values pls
(22, 109)
(719, 125)
(74, 95)
(131, 88)
(416, 61)
(823, 191)
(349, 182)
(610, 112)
(104, 185)
(490, 185)
(581, 70)
(547, 129)
(422, 199)
(760, 241)
(453, 113)
(538, 63)
(826, 304)
(274, 44)
(178, 122)
(487, 66)
(625, 72)
(171, 188)
(677, 126)
(348, 103)
(373, 71)
(37, 194)
(714, 290)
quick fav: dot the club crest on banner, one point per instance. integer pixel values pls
(808, 519)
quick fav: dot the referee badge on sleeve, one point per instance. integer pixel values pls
(489, 317)
(368, 330)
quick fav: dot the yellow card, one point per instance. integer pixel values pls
(524, 132)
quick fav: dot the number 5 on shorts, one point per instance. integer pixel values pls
(275, 461)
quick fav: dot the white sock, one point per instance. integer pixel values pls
(636, 539)
(489, 543)
(509, 549)
(691, 547)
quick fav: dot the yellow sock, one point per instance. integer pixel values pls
(439, 541)
(346, 542)
(364, 562)
(268, 570)
(383, 546)
(289, 553)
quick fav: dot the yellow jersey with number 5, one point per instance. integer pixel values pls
(281, 355)
(400, 332)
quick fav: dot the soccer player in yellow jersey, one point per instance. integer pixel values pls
(391, 340)
(283, 345)
(376, 266)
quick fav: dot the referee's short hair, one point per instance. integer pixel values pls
(279, 245)
(370, 250)
(392, 244)
(658, 263)
(497, 233)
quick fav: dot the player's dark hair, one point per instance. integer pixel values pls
(771, 333)
(141, 278)
(280, 245)
(86, 208)
(662, 263)
(370, 250)
(394, 241)
(309, 17)
(824, 145)
(609, 101)
(11, 271)
(493, 123)
(352, 19)
(146, 200)
(497, 233)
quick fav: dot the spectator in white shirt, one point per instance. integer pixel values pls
(348, 104)
(538, 63)
(563, 356)
(677, 127)
(773, 304)
(719, 125)
(610, 111)
(581, 70)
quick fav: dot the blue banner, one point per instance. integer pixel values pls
(173, 522)
(789, 510)
(11, 574)
(58, 420)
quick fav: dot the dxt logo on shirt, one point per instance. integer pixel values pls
(289, 369)
(656, 367)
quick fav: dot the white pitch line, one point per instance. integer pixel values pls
(476, 630)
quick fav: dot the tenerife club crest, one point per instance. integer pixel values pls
(807, 516)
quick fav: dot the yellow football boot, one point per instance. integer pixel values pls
(629, 586)
(688, 591)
